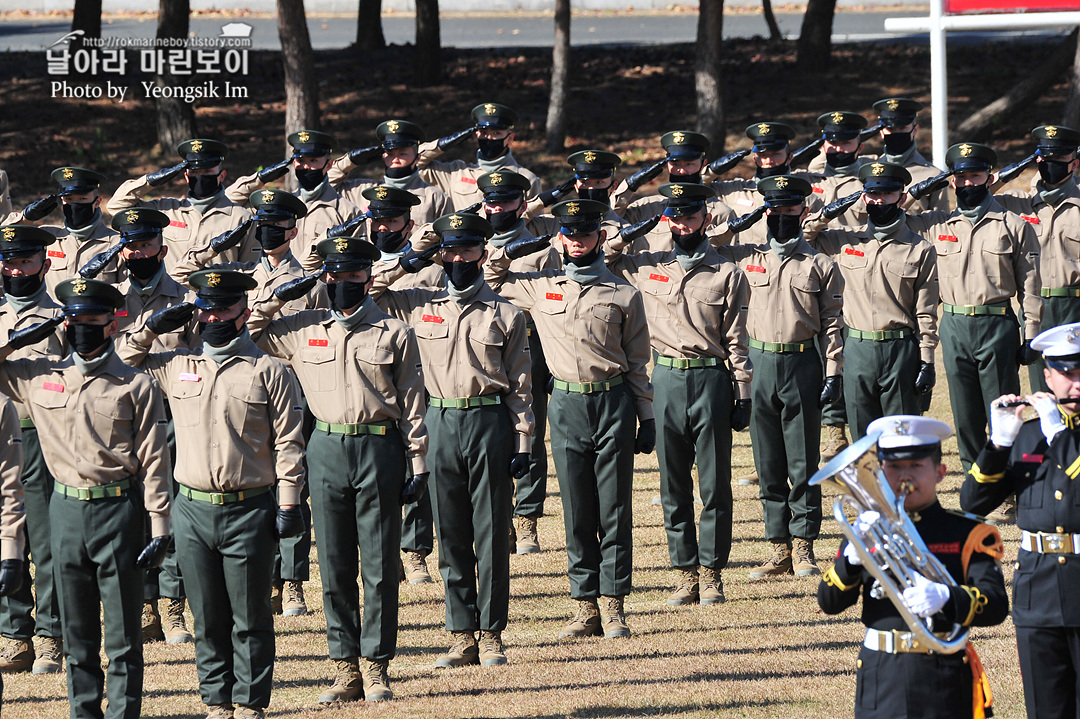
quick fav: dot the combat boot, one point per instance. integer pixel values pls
(376, 681)
(613, 620)
(712, 587)
(348, 686)
(50, 656)
(176, 631)
(835, 441)
(416, 571)
(586, 623)
(16, 655)
(219, 711)
(151, 623)
(528, 542)
(491, 649)
(463, 651)
(748, 479)
(804, 563)
(779, 563)
(249, 713)
(292, 602)
(686, 591)
(275, 596)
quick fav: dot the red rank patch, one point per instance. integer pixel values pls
(1037, 458)
(468, 180)
(857, 253)
(946, 548)
(1032, 220)
(432, 318)
(178, 223)
(817, 190)
(658, 278)
(56, 253)
(52, 386)
(318, 343)
(553, 296)
(121, 313)
(755, 268)
(947, 238)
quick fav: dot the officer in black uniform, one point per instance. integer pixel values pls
(1039, 462)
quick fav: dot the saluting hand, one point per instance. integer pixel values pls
(171, 319)
(34, 333)
(295, 289)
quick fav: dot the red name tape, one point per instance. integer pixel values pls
(178, 223)
(857, 253)
(432, 318)
(121, 313)
(947, 238)
(947, 548)
(1037, 458)
(658, 278)
(755, 268)
(553, 296)
(817, 190)
(1032, 220)
(318, 343)
(53, 387)
(468, 180)
(55, 253)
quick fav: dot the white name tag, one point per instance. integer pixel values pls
(744, 201)
(188, 377)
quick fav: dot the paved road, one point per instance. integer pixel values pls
(510, 30)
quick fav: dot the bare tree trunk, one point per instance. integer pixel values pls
(774, 30)
(708, 75)
(301, 87)
(560, 70)
(369, 34)
(1072, 102)
(87, 17)
(428, 43)
(175, 117)
(815, 37)
(978, 126)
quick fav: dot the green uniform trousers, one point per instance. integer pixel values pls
(417, 531)
(356, 486)
(879, 380)
(225, 546)
(835, 414)
(592, 443)
(980, 364)
(292, 562)
(95, 544)
(1056, 311)
(531, 490)
(16, 618)
(784, 430)
(471, 491)
(693, 424)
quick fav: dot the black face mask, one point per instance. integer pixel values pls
(144, 268)
(84, 339)
(585, 260)
(970, 197)
(503, 221)
(600, 194)
(839, 159)
(689, 242)
(462, 273)
(491, 149)
(309, 179)
(883, 215)
(346, 295)
(783, 227)
(898, 143)
(271, 236)
(218, 334)
(388, 240)
(693, 178)
(24, 286)
(1053, 172)
(763, 172)
(396, 173)
(202, 186)
(79, 214)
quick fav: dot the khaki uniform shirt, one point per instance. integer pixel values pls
(794, 299)
(98, 428)
(239, 425)
(889, 284)
(54, 346)
(138, 307)
(590, 332)
(993, 261)
(477, 349)
(700, 313)
(433, 202)
(551, 258)
(12, 497)
(370, 374)
(187, 226)
(457, 178)
(69, 253)
(1058, 231)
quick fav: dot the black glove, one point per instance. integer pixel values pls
(740, 415)
(1010, 173)
(550, 197)
(414, 261)
(34, 333)
(165, 174)
(743, 222)
(638, 229)
(870, 132)
(519, 465)
(832, 391)
(1025, 355)
(926, 379)
(11, 576)
(445, 143)
(346, 228)
(473, 209)
(927, 186)
(365, 154)
(527, 246)
(289, 522)
(804, 155)
(99, 262)
(269, 174)
(414, 488)
(171, 319)
(837, 207)
(295, 289)
(154, 553)
(647, 174)
(646, 437)
(231, 238)
(722, 164)
(40, 208)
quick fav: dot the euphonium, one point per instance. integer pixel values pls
(898, 550)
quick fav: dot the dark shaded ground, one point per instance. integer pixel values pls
(622, 100)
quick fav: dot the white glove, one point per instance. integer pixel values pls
(864, 521)
(926, 598)
(1004, 425)
(1050, 421)
(852, 556)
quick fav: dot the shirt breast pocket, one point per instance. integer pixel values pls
(112, 421)
(47, 399)
(550, 316)
(246, 404)
(996, 257)
(434, 341)
(58, 260)
(855, 260)
(376, 366)
(605, 323)
(317, 368)
(487, 347)
(184, 402)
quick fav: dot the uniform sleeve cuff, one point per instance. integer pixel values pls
(524, 443)
(12, 549)
(645, 411)
(288, 494)
(418, 463)
(926, 355)
(833, 368)
(742, 390)
(160, 525)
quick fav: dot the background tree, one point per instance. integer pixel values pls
(1072, 102)
(708, 73)
(770, 19)
(175, 117)
(560, 70)
(87, 17)
(815, 37)
(369, 33)
(301, 88)
(428, 69)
